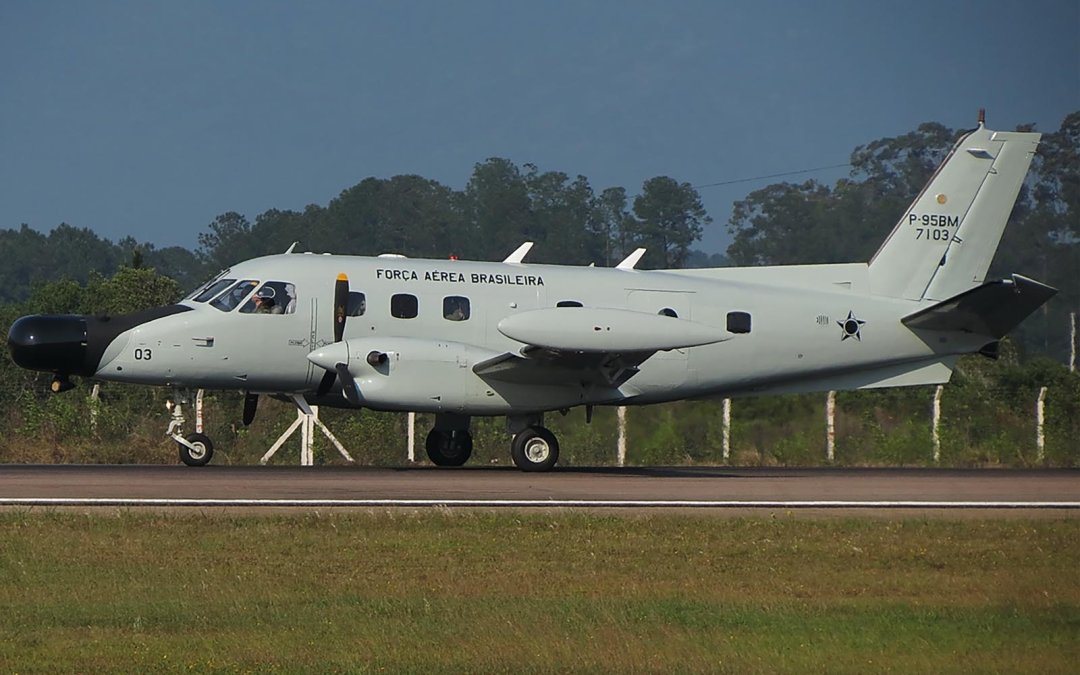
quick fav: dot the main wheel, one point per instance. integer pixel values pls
(201, 454)
(535, 449)
(449, 448)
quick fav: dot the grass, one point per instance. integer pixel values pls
(465, 591)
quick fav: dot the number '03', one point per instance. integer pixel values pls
(143, 354)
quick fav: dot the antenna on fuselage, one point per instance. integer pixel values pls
(290, 249)
(631, 261)
(519, 253)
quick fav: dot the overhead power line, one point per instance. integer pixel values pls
(772, 175)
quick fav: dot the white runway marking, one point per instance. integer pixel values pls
(540, 503)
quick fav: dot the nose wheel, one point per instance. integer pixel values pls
(195, 449)
(449, 447)
(535, 449)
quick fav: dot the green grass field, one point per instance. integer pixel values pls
(467, 591)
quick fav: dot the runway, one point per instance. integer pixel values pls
(669, 487)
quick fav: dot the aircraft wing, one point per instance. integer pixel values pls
(591, 346)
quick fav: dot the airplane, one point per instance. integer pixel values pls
(462, 338)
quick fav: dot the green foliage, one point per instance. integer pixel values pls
(669, 219)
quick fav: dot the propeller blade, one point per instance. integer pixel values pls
(251, 403)
(341, 302)
(325, 383)
(348, 384)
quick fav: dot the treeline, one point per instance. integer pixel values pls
(502, 205)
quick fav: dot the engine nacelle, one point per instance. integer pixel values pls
(424, 375)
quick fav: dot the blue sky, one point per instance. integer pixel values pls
(150, 118)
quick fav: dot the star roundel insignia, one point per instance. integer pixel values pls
(851, 327)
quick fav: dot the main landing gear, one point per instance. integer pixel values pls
(534, 447)
(449, 443)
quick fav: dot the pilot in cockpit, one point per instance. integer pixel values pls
(264, 302)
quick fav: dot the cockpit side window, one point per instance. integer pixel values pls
(228, 300)
(357, 304)
(273, 297)
(211, 289)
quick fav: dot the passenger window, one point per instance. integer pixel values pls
(738, 322)
(228, 300)
(667, 311)
(455, 308)
(568, 303)
(357, 304)
(274, 297)
(212, 290)
(403, 306)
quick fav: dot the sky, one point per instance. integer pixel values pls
(151, 118)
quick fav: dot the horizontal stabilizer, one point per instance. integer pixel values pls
(993, 309)
(590, 329)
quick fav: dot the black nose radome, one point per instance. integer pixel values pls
(53, 343)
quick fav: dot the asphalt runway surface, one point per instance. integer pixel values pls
(630, 487)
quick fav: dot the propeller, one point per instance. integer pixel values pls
(341, 301)
(251, 403)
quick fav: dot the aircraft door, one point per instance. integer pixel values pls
(664, 368)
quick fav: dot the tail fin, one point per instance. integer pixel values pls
(944, 243)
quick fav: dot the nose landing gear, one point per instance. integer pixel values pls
(195, 449)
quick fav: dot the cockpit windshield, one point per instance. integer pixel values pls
(212, 290)
(203, 292)
(228, 300)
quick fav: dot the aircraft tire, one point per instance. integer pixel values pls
(448, 448)
(200, 457)
(535, 449)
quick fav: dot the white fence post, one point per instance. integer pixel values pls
(94, 403)
(412, 438)
(622, 435)
(935, 420)
(1040, 418)
(830, 426)
(1072, 342)
(727, 429)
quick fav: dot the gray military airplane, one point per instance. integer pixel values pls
(460, 338)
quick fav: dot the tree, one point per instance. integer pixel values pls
(669, 217)
(610, 224)
(560, 210)
(784, 224)
(229, 241)
(497, 210)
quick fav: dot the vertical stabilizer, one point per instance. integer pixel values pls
(946, 239)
